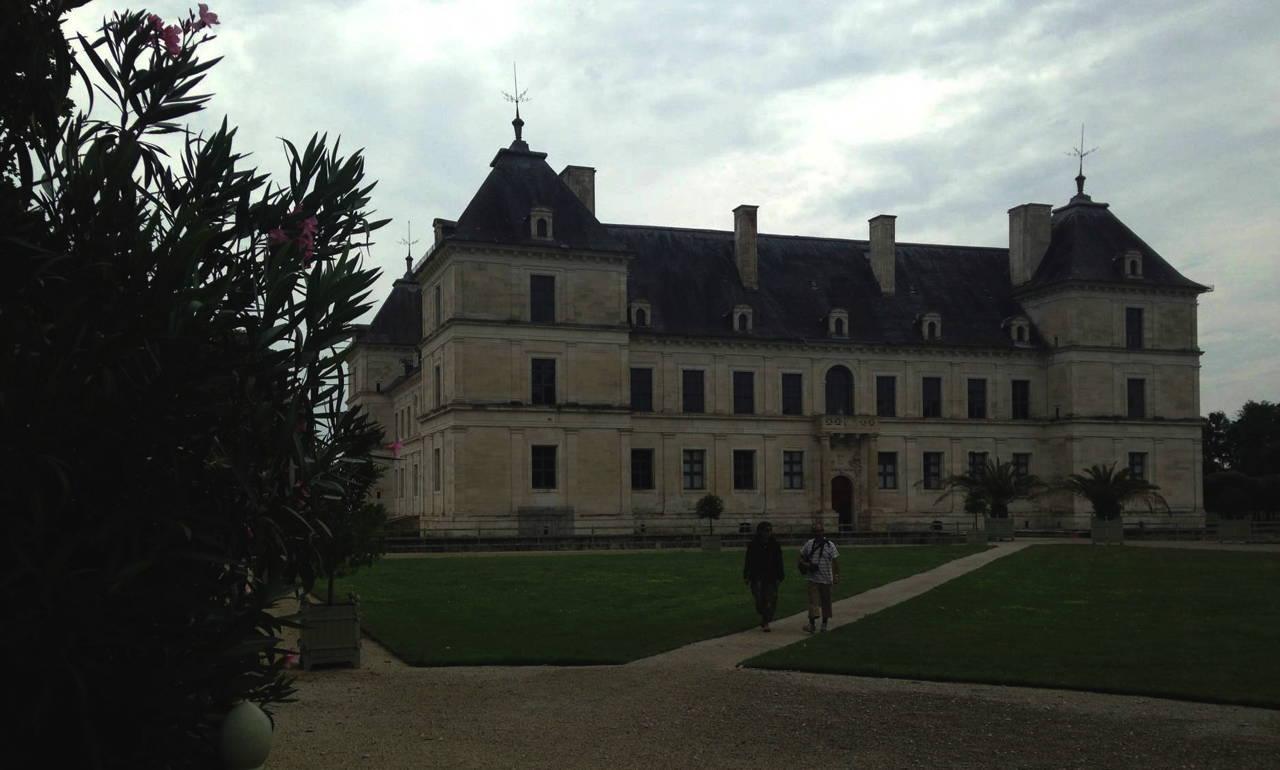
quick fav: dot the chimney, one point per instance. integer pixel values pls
(744, 244)
(883, 250)
(443, 229)
(1029, 228)
(582, 180)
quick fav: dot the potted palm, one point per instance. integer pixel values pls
(710, 507)
(989, 489)
(1108, 490)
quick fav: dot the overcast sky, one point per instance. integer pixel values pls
(945, 113)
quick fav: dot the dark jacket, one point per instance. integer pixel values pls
(763, 562)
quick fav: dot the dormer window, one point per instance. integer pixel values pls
(931, 327)
(641, 315)
(1133, 264)
(540, 222)
(1019, 328)
(742, 318)
(838, 322)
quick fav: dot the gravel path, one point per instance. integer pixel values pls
(692, 708)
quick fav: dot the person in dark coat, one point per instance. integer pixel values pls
(763, 571)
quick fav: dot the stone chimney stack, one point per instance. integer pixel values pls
(443, 229)
(744, 245)
(883, 250)
(1029, 229)
(582, 180)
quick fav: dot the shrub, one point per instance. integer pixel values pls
(710, 507)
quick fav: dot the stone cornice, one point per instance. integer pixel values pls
(453, 248)
(834, 346)
(1137, 287)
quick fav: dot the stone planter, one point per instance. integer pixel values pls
(1107, 531)
(710, 542)
(330, 634)
(1235, 529)
(999, 529)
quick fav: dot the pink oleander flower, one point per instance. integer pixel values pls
(172, 38)
(156, 24)
(207, 18)
(277, 236)
(309, 226)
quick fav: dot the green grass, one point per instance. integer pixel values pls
(1197, 625)
(586, 608)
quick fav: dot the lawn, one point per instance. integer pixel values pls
(1198, 625)
(586, 608)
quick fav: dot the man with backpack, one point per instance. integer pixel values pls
(821, 568)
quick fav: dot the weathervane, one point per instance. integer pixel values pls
(1080, 152)
(408, 242)
(515, 97)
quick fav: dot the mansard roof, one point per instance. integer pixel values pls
(399, 320)
(690, 279)
(1089, 244)
(521, 180)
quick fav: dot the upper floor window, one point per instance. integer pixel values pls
(693, 393)
(792, 393)
(931, 326)
(744, 392)
(977, 399)
(1019, 330)
(640, 314)
(1133, 264)
(1137, 398)
(1021, 400)
(886, 396)
(641, 390)
(838, 322)
(1133, 328)
(543, 379)
(437, 306)
(931, 397)
(839, 390)
(540, 223)
(542, 299)
(742, 318)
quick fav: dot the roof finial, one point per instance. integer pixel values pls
(408, 242)
(1080, 152)
(516, 96)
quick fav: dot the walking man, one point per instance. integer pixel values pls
(819, 559)
(763, 571)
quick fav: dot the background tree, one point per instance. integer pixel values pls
(1217, 448)
(1254, 438)
(172, 428)
(710, 507)
(1108, 490)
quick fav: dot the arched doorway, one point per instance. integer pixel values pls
(842, 502)
(839, 390)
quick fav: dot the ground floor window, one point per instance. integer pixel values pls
(694, 466)
(977, 461)
(544, 467)
(642, 469)
(435, 469)
(1138, 465)
(744, 469)
(887, 465)
(1022, 463)
(932, 462)
(793, 470)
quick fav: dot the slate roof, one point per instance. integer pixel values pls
(519, 181)
(1088, 244)
(691, 282)
(399, 320)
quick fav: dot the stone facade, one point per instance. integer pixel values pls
(515, 411)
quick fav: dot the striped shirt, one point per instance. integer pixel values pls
(822, 557)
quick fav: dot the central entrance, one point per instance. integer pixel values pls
(842, 501)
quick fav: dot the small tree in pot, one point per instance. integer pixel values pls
(710, 507)
(1108, 490)
(989, 489)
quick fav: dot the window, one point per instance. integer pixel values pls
(438, 307)
(642, 390)
(1137, 398)
(1021, 400)
(694, 467)
(931, 397)
(792, 394)
(415, 480)
(1133, 328)
(932, 470)
(839, 390)
(744, 393)
(743, 321)
(436, 377)
(742, 318)
(793, 470)
(838, 322)
(886, 396)
(1022, 463)
(1138, 465)
(544, 467)
(642, 318)
(839, 327)
(693, 394)
(642, 469)
(977, 399)
(543, 381)
(435, 469)
(744, 469)
(977, 461)
(1020, 333)
(542, 228)
(542, 299)
(887, 465)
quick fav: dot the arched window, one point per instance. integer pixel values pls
(1133, 267)
(931, 331)
(742, 322)
(839, 327)
(839, 390)
(542, 228)
(642, 318)
(1022, 333)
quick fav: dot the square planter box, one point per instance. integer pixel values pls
(710, 542)
(330, 634)
(1235, 529)
(1107, 532)
(999, 529)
